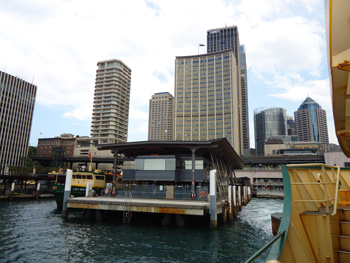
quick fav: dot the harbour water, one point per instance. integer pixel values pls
(33, 231)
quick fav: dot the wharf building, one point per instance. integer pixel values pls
(206, 99)
(311, 124)
(227, 38)
(160, 120)
(17, 99)
(268, 123)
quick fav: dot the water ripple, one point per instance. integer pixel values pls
(35, 232)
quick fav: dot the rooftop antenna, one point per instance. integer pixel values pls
(33, 79)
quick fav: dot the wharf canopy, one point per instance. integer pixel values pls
(220, 147)
(216, 154)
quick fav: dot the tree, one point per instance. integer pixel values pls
(32, 151)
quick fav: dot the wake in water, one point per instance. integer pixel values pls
(258, 213)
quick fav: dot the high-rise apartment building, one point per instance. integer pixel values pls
(206, 98)
(311, 123)
(227, 38)
(111, 102)
(17, 99)
(267, 124)
(160, 120)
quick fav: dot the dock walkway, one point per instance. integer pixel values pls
(163, 206)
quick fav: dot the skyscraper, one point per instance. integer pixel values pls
(160, 120)
(111, 102)
(311, 123)
(244, 94)
(206, 98)
(17, 99)
(227, 38)
(267, 124)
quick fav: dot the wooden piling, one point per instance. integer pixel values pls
(240, 198)
(230, 203)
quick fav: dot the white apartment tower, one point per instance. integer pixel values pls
(111, 102)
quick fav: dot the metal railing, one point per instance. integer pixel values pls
(267, 246)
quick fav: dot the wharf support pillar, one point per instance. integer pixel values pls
(212, 200)
(67, 188)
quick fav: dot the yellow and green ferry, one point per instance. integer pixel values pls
(79, 181)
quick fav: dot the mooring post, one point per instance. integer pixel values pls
(37, 190)
(245, 194)
(12, 191)
(212, 200)
(67, 188)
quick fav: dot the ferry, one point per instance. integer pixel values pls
(79, 181)
(315, 224)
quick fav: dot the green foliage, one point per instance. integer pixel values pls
(28, 168)
(32, 151)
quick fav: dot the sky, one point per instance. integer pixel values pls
(56, 45)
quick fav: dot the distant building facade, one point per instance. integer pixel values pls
(291, 125)
(111, 102)
(311, 123)
(207, 104)
(268, 123)
(160, 120)
(227, 38)
(56, 148)
(17, 99)
(46, 145)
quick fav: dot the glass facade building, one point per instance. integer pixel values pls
(17, 99)
(160, 120)
(206, 98)
(311, 123)
(267, 124)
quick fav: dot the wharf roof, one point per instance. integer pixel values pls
(220, 147)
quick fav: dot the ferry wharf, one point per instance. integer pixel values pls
(27, 186)
(175, 179)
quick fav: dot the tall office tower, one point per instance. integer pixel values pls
(206, 98)
(245, 112)
(111, 102)
(160, 120)
(227, 38)
(267, 124)
(311, 123)
(17, 99)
